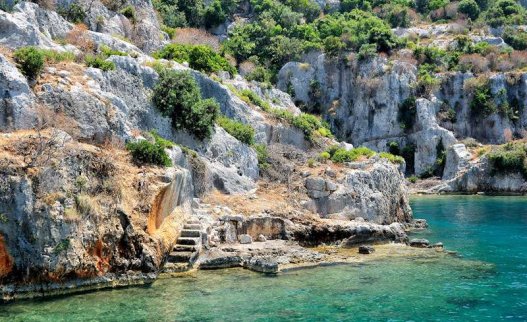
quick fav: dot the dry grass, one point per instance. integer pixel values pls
(194, 36)
(79, 37)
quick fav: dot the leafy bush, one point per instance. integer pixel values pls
(517, 39)
(259, 74)
(199, 57)
(53, 57)
(99, 62)
(509, 158)
(177, 96)
(469, 8)
(73, 13)
(483, 102)
(506, 12)
(249, 96)
(242, 132)
(407, 113)
(162, 142)
(342, 155)
(262, 155)
(392, 158)
(214, 14)
(144, 152)
(393, 147)
(413, 179)
(325, 155)
(107, 51)
(30, 61)
(279, 34)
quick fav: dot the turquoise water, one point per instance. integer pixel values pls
(489, 282)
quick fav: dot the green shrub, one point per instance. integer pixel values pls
(517, 39)
(469, 8)
(408, 153)
(393, 148)
(367, 51)
(259, 74)
(54, 57)
(73, 13)
(407, 113)
(162, 142)
(99, 62)
(144, 152)
(262, 154)
(325, 155)
(311, 125)
(509, 158)
(242, 132)
(199, 57)
(392, 158)
(107, 52)
(506, 12)
(249, 96)
(30, 61)
(171, 32)
(214, 14)
(482, 101)
(177, 96)
(413, 179)
(341, 155)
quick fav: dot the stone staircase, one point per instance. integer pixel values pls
(187, 248)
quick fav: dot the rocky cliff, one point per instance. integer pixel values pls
(76, 210)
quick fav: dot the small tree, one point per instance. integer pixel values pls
(469, 8)
(177, 96)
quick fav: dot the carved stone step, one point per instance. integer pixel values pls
(182, 257)
(185, 248)
(189, 240)
(192, 226)
(190, 233)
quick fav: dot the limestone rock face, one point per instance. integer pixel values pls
(478, 177)
(376, 192)
(428, 136)
(19, 29)
(457, 160)
(17, 101)
(55, 226)
(361, 100)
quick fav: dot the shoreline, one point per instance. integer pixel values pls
(335, 256)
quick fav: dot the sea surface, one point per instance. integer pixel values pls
(486, 282)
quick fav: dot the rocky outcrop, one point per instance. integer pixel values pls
(479, 177)
(17, 101)
(362, 101)
(373, 190)
(78, 212)
(457, 160)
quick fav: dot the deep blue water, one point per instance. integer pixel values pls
(488, 282)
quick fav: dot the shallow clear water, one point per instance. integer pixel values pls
(489, 282)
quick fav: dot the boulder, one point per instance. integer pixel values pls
(457, 160)
(318, 187)
(419, 243)
(376, 191)
(262, 265)
(245, 239)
